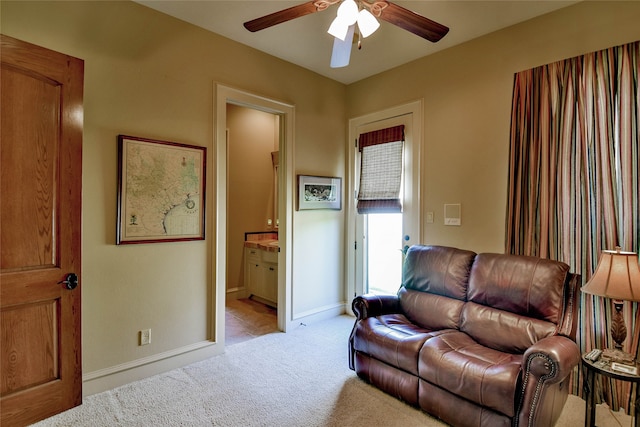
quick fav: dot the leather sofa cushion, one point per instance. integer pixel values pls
(460, 365)
(438, 270)
(528, 286)
(392, 339)
(430, 311)
(514, 301)
(503, 330)
(434, 285)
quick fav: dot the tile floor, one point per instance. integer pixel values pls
(247, 319)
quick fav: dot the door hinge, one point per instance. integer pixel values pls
(355, 246)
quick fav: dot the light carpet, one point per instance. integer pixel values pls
(300, 378)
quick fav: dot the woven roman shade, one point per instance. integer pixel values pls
(380, 170)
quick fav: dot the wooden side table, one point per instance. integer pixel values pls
(603, 367)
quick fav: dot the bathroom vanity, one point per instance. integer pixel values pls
(261, 267)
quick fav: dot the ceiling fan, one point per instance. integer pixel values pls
(352, 13)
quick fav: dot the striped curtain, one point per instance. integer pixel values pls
(573, 180)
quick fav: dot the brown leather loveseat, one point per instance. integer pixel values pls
(472, 339)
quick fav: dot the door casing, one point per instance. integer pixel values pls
(411, 115)
(228, 95)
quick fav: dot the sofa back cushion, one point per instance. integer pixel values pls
(434, 285)
(514, 301)
(430, 311)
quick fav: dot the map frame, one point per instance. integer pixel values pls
(193, 202)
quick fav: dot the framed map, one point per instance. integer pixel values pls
(161, 191)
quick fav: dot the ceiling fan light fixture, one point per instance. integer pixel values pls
(348, 11)
(367, 23)
(339, 28)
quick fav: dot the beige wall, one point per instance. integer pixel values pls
(467, 103)
(150, 75)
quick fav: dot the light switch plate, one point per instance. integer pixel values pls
(452, 214)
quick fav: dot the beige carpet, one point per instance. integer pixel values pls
(296, 379)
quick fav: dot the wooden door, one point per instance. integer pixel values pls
(40, 226)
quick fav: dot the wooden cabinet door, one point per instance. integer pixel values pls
(40, 227)
(271, 283)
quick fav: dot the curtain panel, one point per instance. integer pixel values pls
(573, 184)
(380, 170)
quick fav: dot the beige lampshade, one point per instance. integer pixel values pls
(617, 276)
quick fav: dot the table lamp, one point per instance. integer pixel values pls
(617, 277)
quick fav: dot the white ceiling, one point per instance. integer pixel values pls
(304, 41)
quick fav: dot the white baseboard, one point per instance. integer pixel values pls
(237, 293)
(118, 375)
(320, 313)
(115, 376)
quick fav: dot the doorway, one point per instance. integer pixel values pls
(383, 253)
(365, 229)
(286, 113)
(253, 141)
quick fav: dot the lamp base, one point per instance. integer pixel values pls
(619, 356)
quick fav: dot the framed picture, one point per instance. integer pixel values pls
(319, 192)
(161, 191)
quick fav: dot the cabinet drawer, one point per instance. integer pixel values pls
(270, 256)
(252, 255)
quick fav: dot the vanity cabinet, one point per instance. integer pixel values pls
(261, 275)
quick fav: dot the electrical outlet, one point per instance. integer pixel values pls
(145, 336)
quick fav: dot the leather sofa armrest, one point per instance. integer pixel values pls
(545, 367)
(370, 305)
(551, 358)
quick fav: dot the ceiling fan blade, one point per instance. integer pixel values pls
(412, 22)
(281, 16)
(342, 49)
